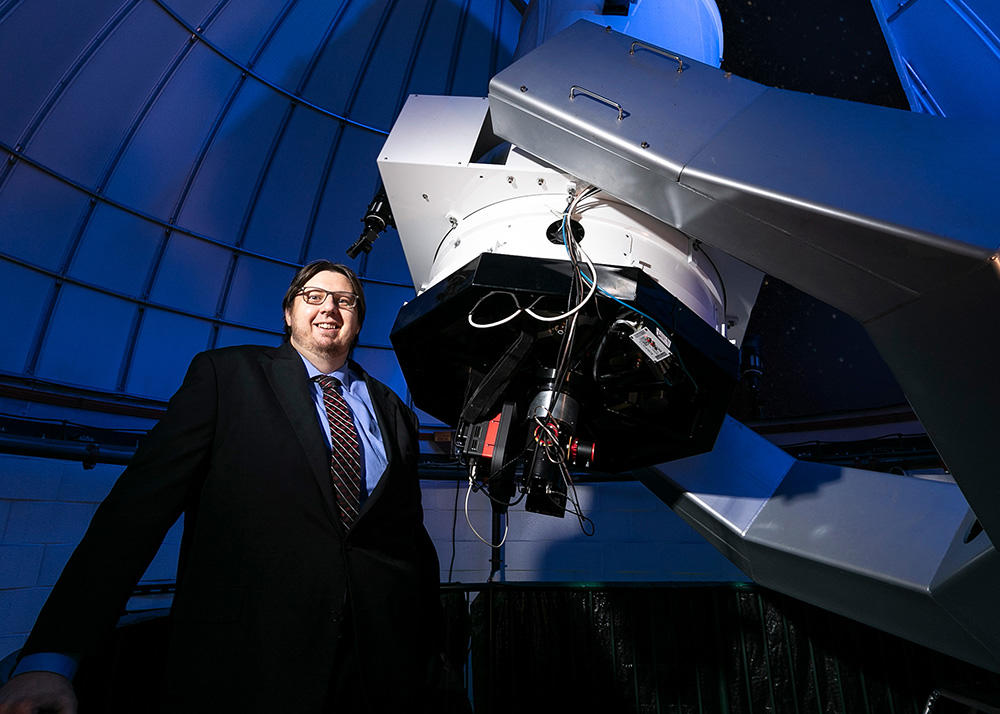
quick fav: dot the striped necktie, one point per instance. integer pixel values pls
(345, 451)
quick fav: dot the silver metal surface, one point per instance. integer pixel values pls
(879, 203)
(562, 407)
(887, 215)
(675, 113)
(450, 209)
(886, 550)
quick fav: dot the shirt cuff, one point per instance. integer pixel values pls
(47, 662)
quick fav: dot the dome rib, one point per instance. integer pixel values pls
(291, 96)
(335, 144)
(192, 185)
(138, 213)
(276, 141)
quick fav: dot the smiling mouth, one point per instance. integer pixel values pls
(326, 325)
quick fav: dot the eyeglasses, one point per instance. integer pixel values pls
(317, 296)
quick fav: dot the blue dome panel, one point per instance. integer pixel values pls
(254, 298)
(25, 84)
(432, 68)
(382, 365)
(38, 216)
(946, 54)
(382, 81)
(289, 55)
(385, 301)
(117, 250)
(158, 162)
(240, 27)
(181, 158)
(165, 345)
(189, 276)
(83, 130)
(352, 183)
(226, 184)
(281, 215)
(387, 261)
(25, 295)
(477, 57)
(330, 80)
(86, 338)
(194, 11)
(229, 336)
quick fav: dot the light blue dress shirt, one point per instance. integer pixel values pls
(355, 393)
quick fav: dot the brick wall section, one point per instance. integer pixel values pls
(45, 506)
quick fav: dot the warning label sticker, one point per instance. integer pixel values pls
(656, 345)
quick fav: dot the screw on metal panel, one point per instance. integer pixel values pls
(541, 181)
(510, 179)
(607, 28)
(644, 144)
(425, 197)
(523, 88)
(728, 75)
(453, 221)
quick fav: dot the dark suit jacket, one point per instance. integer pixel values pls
(269, 581)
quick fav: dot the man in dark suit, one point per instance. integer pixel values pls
(296, 590)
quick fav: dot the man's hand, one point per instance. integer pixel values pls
(38, 693)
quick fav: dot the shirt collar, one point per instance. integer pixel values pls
(345, 374)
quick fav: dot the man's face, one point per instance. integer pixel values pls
(323, 330)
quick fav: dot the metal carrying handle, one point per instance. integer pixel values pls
(594, 95)
(657, 50)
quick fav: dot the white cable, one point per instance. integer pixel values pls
(593, 271)
(506, 522)
(579, 306)
(484, 326)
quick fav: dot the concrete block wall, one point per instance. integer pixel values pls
(45, 508)
(46, 505)
(636, 538)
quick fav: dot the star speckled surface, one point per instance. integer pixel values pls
(817, 360)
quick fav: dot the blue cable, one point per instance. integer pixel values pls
(634, 309)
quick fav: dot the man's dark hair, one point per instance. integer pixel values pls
(307, 273)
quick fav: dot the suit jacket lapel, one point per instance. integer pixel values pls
(386, 419)
(287, 377)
